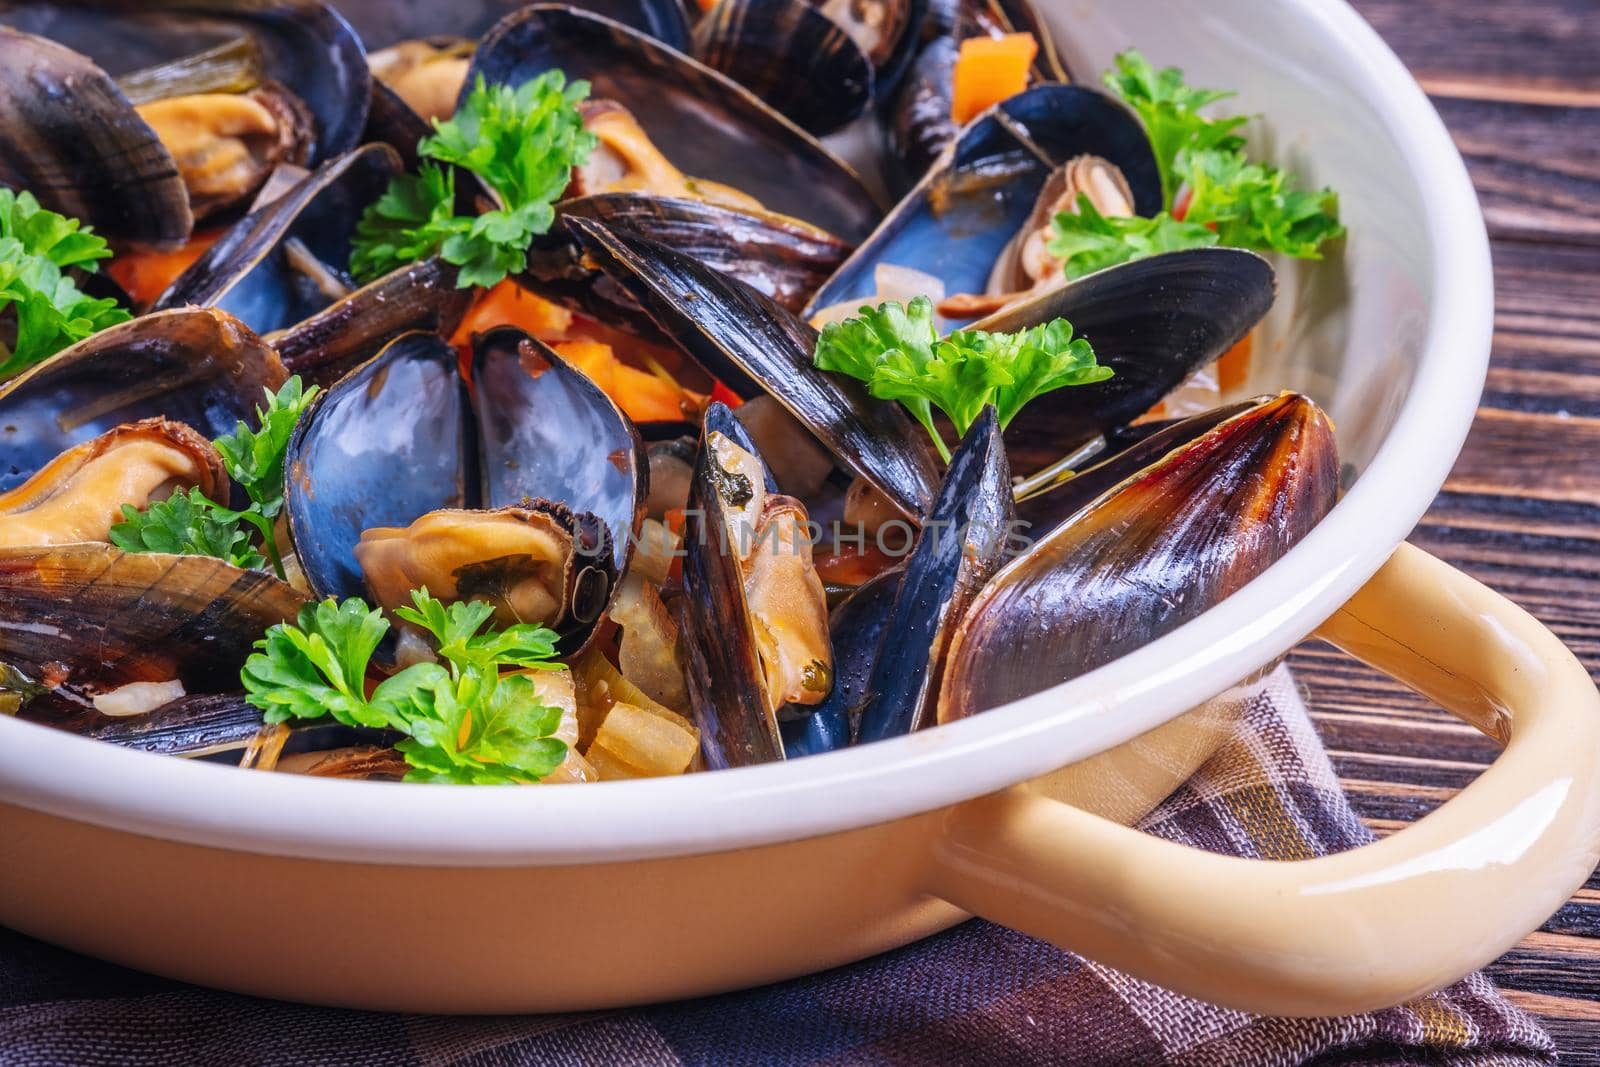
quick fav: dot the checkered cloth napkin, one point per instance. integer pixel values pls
(977, 994)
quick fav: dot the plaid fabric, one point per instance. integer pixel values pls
(977, 994)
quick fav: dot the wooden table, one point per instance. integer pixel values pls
(1519, 86)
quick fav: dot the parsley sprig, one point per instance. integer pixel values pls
(523, 143)
(1212, 192)
(187, 523)
(47, 309)
(897, 351)
(463, 721)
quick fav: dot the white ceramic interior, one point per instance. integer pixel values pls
(1392, 336)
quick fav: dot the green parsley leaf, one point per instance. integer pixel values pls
(318, 666)
(522, 143)
(48, 309)
(896, 350)
(1089, 241)
(409, 222)
(484, 732)
(466, 725)
(186, 523)
(1170, 111)
(255, 458)
(1252, 205)
(456, 629)
(856, 346)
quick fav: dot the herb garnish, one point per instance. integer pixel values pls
(897, 351)
(187, 523)
(37, 247)
(464, 723)
(1208, 185)
(523, 143)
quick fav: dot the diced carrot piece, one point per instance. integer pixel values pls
(643, 396)
(1233, 368)
(989, 70)
(595, 360)
(509, 304)
(146, 275)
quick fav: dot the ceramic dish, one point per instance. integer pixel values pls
(294, 887)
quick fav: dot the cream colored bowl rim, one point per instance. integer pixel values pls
(220, 806)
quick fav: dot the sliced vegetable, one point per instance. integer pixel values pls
(989, 70)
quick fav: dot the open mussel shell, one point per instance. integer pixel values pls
(386, 445)
(1153, 321)
(1147, 556)
(248, 272)
(792, 56)
(888, 31)
(304, 45)
(282, 271)
(856, 628)
(958, 220)
(712, 128)
(199, 367)
(959, 548)
(737, 721)
(780, 257)
(753, 346)
(546, 432)
(382, 23)
(533, 433)
(69, 136)
(84, 620)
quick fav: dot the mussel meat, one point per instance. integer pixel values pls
(201, 368)
(79, 495)
(754, 611)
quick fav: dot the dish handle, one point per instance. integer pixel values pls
(1359, 930)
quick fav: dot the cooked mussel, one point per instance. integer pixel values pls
(520, 560)
(201, 368)
(226, 89)
(782, 258)
(717, 131)
(791, 55)
(94, 160)
(961, 545)
(956, 224)
(754, 611)
(1147, 555)
(123, 645)
(888, 31)
(79, 495)
(919, 119)
(755, 347)
(281, 270)
(856, 629)
(532, 436)
(1153, 321)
